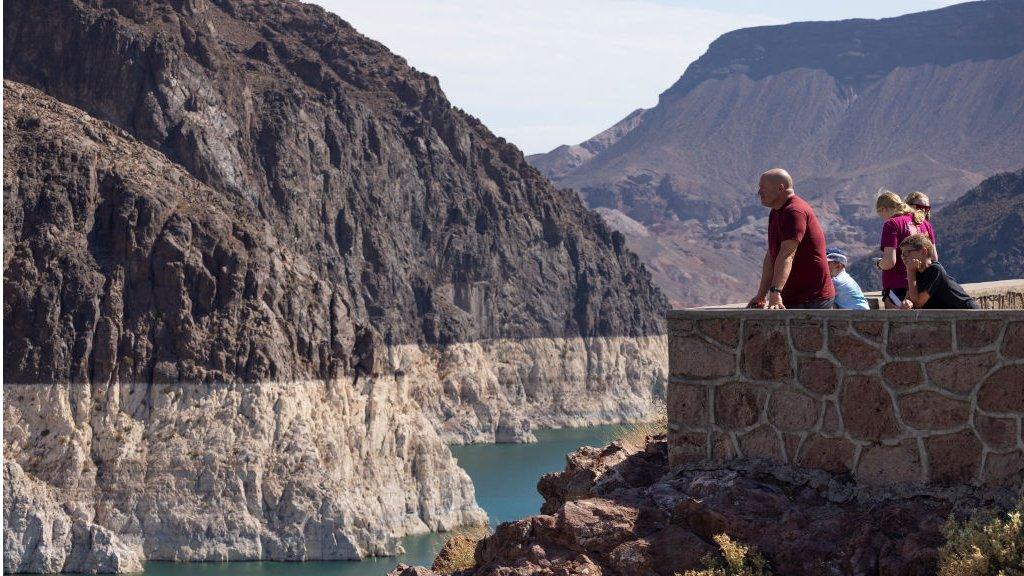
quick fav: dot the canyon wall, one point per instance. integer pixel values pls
(917, 397)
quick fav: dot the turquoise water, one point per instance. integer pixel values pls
(505, 476)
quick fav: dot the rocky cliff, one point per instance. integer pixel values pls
(257, 270)
(624, 511)
(927, 101)
(982, 230)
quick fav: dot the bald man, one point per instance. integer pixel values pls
(795, 271)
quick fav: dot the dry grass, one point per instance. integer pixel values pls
(740, 560)
(459, 550)
(986, 545)
(635, 436)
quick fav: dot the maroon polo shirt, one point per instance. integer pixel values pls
(809, 279)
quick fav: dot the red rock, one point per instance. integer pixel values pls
(766, 351)
(954, 458)
(806, 335)
(790, 410)
(900, 464)
(867, 409)
(762, 442)
(1005, 469)
(687, 404)
(723, 330)
(961, 373)
(872, 329)
(1013, 340)
(927, 410)
(853, 353)
(818, 375)
(974, 334)
(694, 358)
(597, 524)
(739, 405)
(676, 549)
(997, 433)
(902, 375)
(632, 558)
(912, 339)
(832, 454)
(1003, 391)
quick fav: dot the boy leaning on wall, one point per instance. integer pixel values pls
(928, 283)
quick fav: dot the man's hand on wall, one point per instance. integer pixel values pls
(775, 301)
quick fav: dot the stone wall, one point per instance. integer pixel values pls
(922, 397)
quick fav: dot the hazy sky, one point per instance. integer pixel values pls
(547, 72)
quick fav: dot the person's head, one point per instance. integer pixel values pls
(920, 201)
(774, 187)
(889, 204)
(917, 246)
(837, 261)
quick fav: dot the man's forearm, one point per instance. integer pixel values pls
(783, 266)
(912, 293)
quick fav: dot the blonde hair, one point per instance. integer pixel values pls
(893, 203)
(918, 242)
(916, 198)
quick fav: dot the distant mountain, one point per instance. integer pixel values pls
(929, 101)
(983, 231)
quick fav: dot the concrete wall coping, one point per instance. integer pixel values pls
(893, 315)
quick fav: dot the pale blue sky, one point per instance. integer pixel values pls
(547, 72)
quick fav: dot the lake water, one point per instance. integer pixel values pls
(505, 476)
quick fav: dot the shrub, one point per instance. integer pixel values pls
(988, 544)
(459, 550)
(740, 560)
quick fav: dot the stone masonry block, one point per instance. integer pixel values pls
(915, 339)
(973, 334)
(1003, 391)
(792, 411)
(954, 458)
(687, 405)
(832, 454)
(763, 442)
(806, 335)
(927, 410)
(739, 405)
(853, 353)
(899, 464)
(766, 351)
(723, 330)
(1005, 469)
(817, 375)
(867, 409)
(687, 447)
(903, 375)
(693, 357)
(1013, 340)
(997, 433)
(961, 373)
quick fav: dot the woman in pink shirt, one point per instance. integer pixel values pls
(901, 221)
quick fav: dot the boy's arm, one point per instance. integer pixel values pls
(917, 298)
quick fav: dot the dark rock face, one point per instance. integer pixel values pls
(620, 512)
(982, 230)
(920, 102)
(426, 227)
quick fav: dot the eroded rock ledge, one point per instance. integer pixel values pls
(613, 511)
